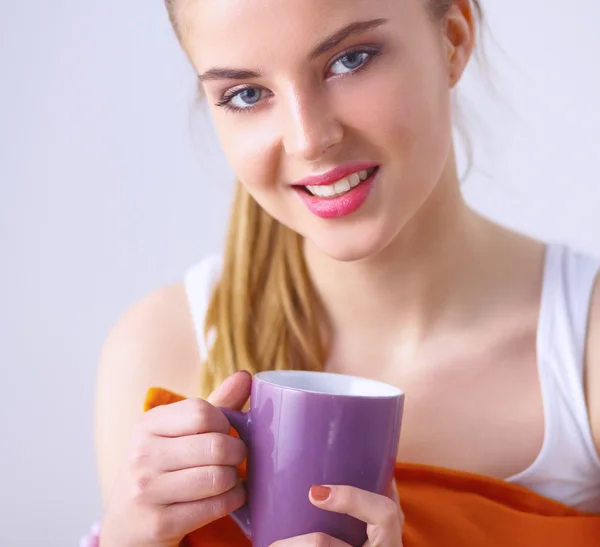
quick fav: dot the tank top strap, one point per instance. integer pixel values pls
(569, 280)
(567, 467)
(199, 282)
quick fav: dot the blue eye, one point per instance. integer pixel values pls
(351, 61)
(241, 99)
(246, 98)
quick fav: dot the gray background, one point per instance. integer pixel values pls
(111, 184)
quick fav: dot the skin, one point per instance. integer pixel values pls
(468, 289)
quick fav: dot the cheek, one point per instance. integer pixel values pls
(417, 109)
(415, 128)
(249, 144)
(398, 112)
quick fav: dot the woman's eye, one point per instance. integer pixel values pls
(350, 62)
(246, 97)
(242, 99)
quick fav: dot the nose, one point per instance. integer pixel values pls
(311, 127)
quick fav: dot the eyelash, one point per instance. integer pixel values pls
(373, 52)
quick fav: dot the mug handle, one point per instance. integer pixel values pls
(240, 421)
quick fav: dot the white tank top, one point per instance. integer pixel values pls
(567, 468)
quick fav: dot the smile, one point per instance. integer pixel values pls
(340, 198)
(342, 186)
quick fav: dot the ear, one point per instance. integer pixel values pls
(459, 36)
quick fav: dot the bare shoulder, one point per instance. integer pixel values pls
(152, 344)
(593, 364)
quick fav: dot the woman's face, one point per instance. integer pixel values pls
(299, 88)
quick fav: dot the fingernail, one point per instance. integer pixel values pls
(320, 493)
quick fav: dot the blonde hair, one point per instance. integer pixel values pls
(264, 312)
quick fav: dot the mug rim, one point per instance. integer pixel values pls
(263, 375)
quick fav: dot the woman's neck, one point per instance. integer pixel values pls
(417, 283)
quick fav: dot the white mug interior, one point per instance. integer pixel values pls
(328, 383)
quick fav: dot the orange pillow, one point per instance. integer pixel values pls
(446, 508)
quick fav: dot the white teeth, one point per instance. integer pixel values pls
(354, 179)
(363, 175)
(341, 186)
(326, 191)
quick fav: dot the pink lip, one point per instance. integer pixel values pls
(341, 206)
(335, 174)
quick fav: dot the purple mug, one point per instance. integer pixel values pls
(314, 428)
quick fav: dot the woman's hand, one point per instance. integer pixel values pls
(383, 516)
(180, 473)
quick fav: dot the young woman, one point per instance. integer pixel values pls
(352, 250)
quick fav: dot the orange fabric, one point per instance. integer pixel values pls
(446, 508)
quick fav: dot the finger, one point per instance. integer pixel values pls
(192, 484)
(233, 392)
(188, 417)
(311, 540)
(190, 516)
(394, 495)
(198, 451)
(373, 509)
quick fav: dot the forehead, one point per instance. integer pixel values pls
(255, 32)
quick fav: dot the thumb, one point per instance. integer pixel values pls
(393, 493)
(233, 392)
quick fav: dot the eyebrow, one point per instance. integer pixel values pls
(221, 73)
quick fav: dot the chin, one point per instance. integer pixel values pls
(346, 248)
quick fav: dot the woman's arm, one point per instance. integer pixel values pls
(592, 368)
(153, 344)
